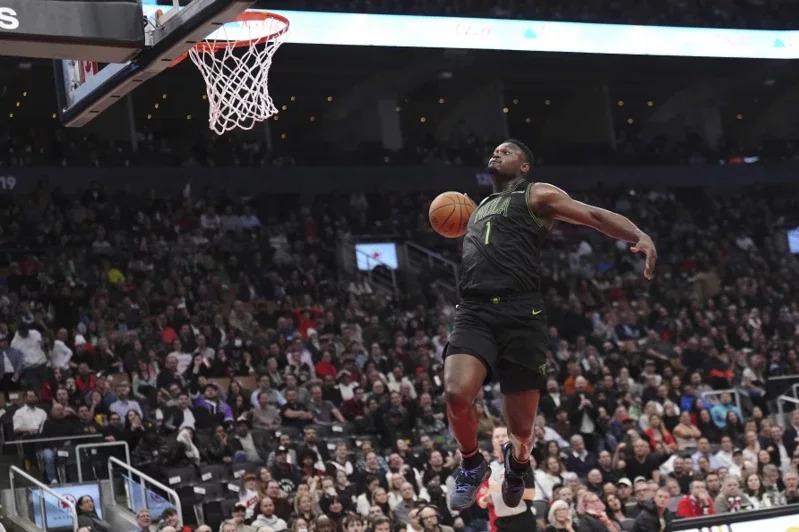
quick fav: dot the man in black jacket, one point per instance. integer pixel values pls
(583, 413)
(655, 515)
(57, 425)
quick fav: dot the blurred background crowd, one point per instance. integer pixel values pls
(223, 337)
(211, 331)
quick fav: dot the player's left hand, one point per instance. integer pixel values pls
(646, 246)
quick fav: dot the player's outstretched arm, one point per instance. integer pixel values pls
(549, 201)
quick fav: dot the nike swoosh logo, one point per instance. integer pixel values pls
(537, 312)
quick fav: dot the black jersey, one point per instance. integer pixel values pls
(502, 246)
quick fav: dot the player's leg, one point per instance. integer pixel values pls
(522, 374)
(463, 377)
(470, 356)
(519, 410)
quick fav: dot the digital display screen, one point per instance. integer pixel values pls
(793, 240)
(56, 512)
(372, 254)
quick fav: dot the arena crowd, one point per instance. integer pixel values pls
(216, 336)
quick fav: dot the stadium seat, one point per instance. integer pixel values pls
(217, 472)
(541, 508)
(322, 431)
(291, 432)
(181, 475)
(340, 430)
(216, 511)
(243, 466)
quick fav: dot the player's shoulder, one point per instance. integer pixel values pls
(540, 193)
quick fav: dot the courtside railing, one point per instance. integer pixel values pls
(713, 395)
(94, 446)
(144, 480)
(65, 503)
(781, 400)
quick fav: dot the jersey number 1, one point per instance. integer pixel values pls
(488, 233)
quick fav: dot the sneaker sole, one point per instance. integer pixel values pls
(463, 507)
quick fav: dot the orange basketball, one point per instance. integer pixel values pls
(449, 214)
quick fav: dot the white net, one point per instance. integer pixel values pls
(235, 62)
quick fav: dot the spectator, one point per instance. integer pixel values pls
(265, 516)
(28, 341)
(580, 460)
(655, 515)
(583, 413)
(123, 403)
(294, 413)
(559, 518)
(144, 521)
(209, 410)
(730, 499)
(591, 514)
(697, 503)
(29, 419)
(87, 516)
(56, 426)
(13, 364)
(719, 411)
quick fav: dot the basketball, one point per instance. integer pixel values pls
(449, 214)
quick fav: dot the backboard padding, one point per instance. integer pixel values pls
(166, 43)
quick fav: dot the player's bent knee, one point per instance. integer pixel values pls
(460, 394)
(522, 434)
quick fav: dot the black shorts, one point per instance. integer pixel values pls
(509, 336)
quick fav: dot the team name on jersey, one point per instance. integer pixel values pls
(493, 206)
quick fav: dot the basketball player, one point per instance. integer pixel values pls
(503, 518)
(500, 328)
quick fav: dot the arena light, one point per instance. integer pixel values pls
(359, 29)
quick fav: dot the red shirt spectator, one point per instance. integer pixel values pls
(325, 367)
(698, 503)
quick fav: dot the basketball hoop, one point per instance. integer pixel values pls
(238, 81)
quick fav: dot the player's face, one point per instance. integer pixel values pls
(508, 161)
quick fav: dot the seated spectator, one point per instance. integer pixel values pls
(730, 499)
(209, 410)
(324, 412)
(719, 411)
(294, 413)
(591, 514)
(265, 516)
(580, 460)
(283, 472)
(220, 449)
(144, 521)
(656, 514)
(87, 516)
(123, 403)
(171, 519)
(559, 518)
(57, 425)
(697, 503)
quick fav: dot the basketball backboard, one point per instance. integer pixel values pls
(87, 84)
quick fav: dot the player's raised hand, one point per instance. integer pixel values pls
(646, 246)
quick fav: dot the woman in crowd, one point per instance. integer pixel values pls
(144, 384)
(560, 518)
(87, 515)
(685, 433)
(591, 516)
(660, 439)
(615, 508)
(303, 507)
(755, 492)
